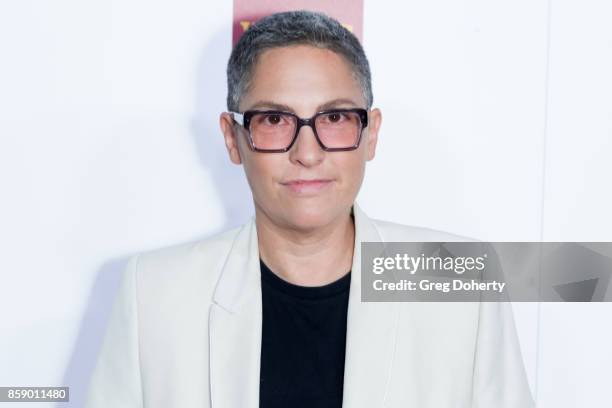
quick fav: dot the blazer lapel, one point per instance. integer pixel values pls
(235, 329)
(235, 326)
(371, 332)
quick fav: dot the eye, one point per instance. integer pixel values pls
(334, 117)
(273, 119)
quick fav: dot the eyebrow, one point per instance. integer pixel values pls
(334, 103)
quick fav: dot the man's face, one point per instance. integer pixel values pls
(304, 80)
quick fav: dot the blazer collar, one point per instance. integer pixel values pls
(240, 274)
(235, 328)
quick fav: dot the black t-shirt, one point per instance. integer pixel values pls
(303, 342)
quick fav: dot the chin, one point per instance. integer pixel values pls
(307, 220)
(311, 216)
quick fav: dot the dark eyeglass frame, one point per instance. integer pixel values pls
(244, 120)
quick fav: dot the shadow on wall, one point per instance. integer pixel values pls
(229, 179)
(232, 190)
(91, 332)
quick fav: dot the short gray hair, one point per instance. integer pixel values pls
(294, 28)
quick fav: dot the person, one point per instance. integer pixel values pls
(269, 314)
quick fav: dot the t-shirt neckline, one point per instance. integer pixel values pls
(277, 283)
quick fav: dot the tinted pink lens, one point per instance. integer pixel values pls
(338, 129)
(272, 131)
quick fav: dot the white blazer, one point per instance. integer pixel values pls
(185, 331)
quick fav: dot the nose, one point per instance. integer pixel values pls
(306, 149)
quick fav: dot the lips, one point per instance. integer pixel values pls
(307, 186)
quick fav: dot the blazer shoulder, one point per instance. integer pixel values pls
(201, 259)
(395, 232)
(184, 252)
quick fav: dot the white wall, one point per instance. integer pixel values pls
(575, 358)
(463, 104)
(497, 121)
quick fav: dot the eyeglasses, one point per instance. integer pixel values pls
(276, 131)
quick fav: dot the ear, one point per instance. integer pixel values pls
(230, 134)
(374, 121)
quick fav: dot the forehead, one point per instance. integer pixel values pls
(303, 77)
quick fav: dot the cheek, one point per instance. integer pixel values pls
(353, 167)
(262, 171)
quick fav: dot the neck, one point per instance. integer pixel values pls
(313, 257)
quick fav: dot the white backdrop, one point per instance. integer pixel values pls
(497, 124)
